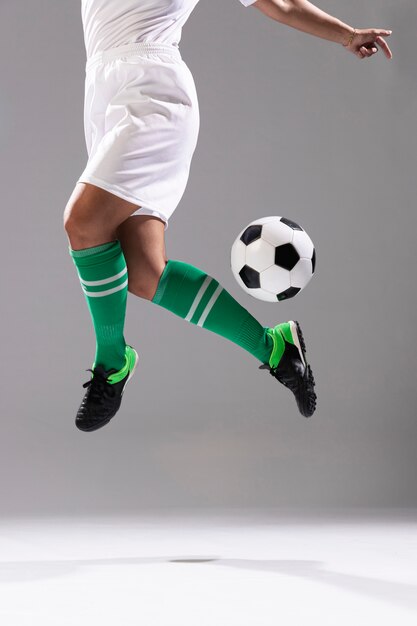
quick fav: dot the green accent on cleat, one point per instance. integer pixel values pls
(131, 357)
(285, 329)
(279, 333)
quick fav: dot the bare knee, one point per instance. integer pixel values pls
(84, 226)
(144, 282)
(92, 215)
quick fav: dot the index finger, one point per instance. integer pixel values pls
(384, 46)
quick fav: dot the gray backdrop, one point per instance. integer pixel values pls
(290, 125)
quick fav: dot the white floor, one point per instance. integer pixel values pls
(236, 568)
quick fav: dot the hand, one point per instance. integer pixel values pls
(365, 40)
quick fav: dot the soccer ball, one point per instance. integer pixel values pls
(273, 258)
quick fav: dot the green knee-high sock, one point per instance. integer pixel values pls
(198, 298)
(102, 272)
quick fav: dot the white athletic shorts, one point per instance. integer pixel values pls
(141, 124)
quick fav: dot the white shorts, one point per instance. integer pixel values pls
(141, 124)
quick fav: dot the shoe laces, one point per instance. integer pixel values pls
(288, 381)
(99, 386)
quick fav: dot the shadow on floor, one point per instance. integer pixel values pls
(394, 593)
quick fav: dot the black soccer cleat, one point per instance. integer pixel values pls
(292, 369)
(104, 393)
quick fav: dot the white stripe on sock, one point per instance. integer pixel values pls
(210, 305)
(93, 283)
(107, 292)
(198, 297)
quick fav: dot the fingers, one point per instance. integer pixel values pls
(380, 32)
(384, 46)
(367, 52)
(368, 40)
(364, 51)
(369, 49)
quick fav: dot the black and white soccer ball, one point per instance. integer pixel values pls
(273, 258)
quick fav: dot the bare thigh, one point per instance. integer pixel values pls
(142, 238)
(92, 215)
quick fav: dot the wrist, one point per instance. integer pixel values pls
(347, 35)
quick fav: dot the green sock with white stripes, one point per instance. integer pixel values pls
(198, 298)
(102, 272)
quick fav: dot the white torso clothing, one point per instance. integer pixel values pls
(111, 23)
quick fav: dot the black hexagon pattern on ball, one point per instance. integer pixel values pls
(288, 293)
(286, 256)
(250, 277)
(290, 223)
(251, 233)
(313, 260)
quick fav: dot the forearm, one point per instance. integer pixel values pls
(305, 16)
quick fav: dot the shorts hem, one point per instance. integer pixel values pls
(143, 209)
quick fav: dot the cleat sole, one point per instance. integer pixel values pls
(311, 400)
(301, 337)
